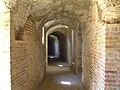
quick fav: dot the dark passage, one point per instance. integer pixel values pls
(57, 47)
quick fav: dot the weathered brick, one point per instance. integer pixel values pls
(112, 55)
(26, 58)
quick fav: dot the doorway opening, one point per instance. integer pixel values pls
(57, 48)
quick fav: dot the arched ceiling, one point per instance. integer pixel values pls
(64, 21)
(60, 7)
(74, 10)
(40, 8)
(53, 37)
(77, 7)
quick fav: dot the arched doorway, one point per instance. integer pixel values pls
(57, 47)
(64, 30)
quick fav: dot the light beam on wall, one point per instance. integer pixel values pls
(43, 29)
(2, 6)
(66, 27)
(73, 63)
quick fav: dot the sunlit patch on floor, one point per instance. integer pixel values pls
(60, 65)
(51, 57)
(65, 83)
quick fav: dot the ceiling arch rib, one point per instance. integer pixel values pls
(55, 28)
(54, 37)
(56, 22)
(62, 17)
(46, 32)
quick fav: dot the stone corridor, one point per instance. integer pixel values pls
(61, 77)
(38, 35)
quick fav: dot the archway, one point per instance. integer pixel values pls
(58, 31)
(57, 47)
(70, 49)
(53, 47)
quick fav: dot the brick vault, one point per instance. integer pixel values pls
(91, 42)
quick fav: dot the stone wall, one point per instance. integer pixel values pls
(27, 62)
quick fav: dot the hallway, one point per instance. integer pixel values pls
(82, 35)
(61, 77)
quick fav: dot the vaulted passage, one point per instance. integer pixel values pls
(57, 46)
(60, 45)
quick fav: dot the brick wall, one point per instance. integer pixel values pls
(27, 62)
(94, 58)
(101, 64)
(93, 53)
(112, 68)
